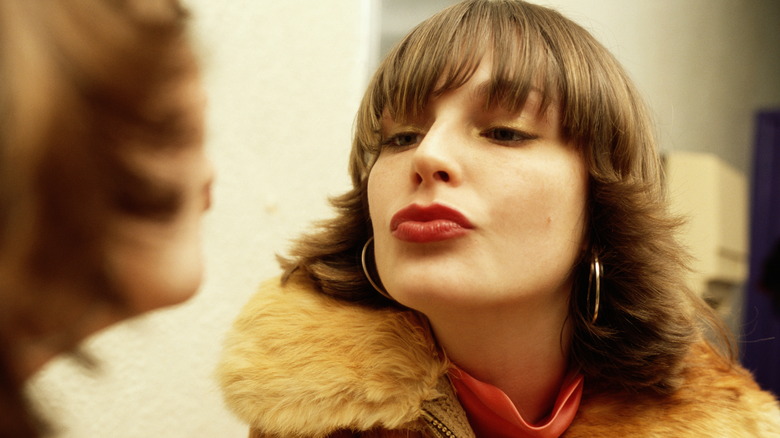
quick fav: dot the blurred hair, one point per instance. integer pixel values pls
(648, 317)
(86, 87)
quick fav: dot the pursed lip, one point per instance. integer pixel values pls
(430, 223)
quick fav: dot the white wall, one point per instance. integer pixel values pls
(284, 79)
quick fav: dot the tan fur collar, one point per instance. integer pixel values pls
(299, 363)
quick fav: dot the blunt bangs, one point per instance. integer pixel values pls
(442, 53)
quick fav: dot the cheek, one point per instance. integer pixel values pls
(377, 194)
(545, 203)
(567, 215)
(373, 199)
(159, 265)
(382, 192)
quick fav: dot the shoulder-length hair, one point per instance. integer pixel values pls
(86, 87)
(647, 321)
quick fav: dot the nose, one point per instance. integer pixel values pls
(436, 159)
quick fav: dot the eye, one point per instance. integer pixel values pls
(507, 135)
(402, 139)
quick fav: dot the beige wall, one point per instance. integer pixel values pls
(284, 79)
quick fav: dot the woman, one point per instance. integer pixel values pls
(103, 176)
(504, 265)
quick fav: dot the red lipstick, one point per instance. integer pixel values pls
(432, 223)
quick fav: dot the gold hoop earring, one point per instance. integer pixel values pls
(368, 274)
(596, 270)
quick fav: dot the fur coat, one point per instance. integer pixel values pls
(300, 364)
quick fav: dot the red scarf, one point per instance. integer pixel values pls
(492, 414)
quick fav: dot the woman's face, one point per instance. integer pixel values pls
(160, 263)
(477, 207)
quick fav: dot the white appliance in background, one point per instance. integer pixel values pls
(713, 197)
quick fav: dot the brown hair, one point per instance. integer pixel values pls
(646, 323)
(86, 87)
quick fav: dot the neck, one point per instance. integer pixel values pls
(522, 350)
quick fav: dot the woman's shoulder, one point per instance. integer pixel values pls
(716, 397)
(301, 363)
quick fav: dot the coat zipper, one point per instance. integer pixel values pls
(437, 426)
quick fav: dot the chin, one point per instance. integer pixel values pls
(165, 292)
(423, 295)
